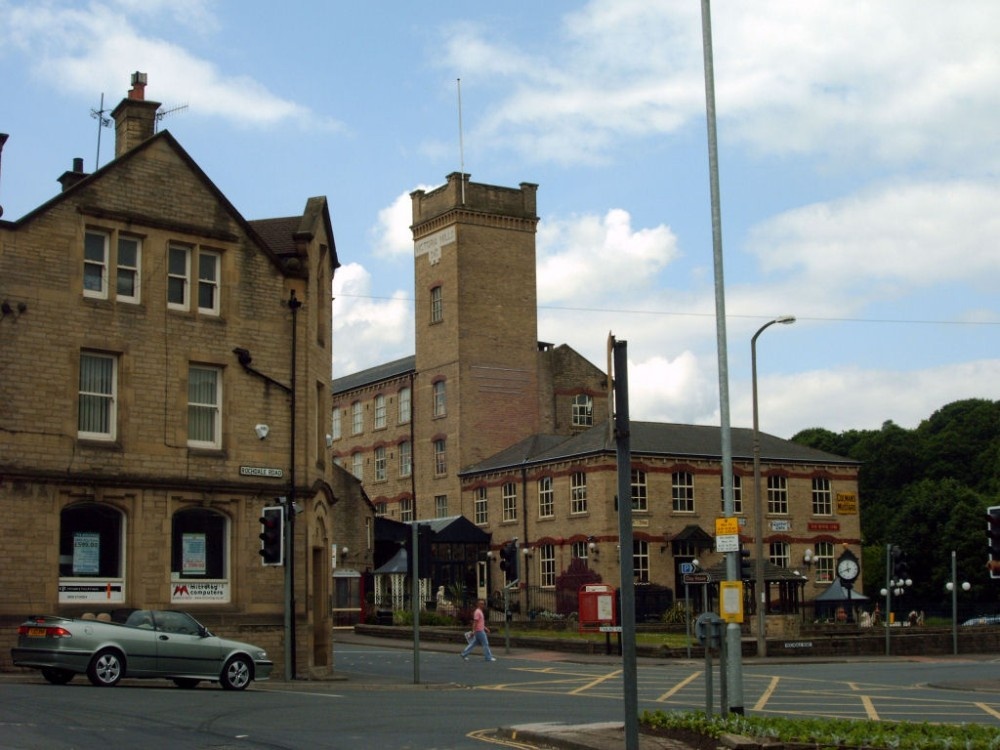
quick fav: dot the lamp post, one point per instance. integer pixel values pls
(758, 512)
(952, 586)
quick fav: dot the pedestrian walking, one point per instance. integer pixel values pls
(479, 633)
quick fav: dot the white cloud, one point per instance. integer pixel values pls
(391, 235)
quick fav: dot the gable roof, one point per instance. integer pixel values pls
(678, 441)
(373, 375)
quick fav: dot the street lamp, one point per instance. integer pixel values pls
(758, 512)
(952, 586)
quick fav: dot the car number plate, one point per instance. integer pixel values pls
(37, 632)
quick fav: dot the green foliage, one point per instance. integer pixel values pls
(677, 614)
(427, 617)
(830, 732)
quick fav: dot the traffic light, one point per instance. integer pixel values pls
(508, 562)
(993, 539)
(272, 535)
(746, 568)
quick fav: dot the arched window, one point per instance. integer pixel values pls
(90, 542)
(198, 544)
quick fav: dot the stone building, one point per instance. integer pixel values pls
(166, 376)
(487, 422)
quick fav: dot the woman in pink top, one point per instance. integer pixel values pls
(479, 631)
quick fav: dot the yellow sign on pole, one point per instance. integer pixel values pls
(727, 526)
(731, 601)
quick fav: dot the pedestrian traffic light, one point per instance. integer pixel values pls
(272, 535)
(993, 539)
(746, 568)
(508, 562)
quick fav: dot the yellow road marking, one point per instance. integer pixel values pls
(485, 736)
(678, 687)
(595, 683)
(869, 708)
(766, 695)
(991, 711)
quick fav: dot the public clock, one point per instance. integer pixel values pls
(847, 567)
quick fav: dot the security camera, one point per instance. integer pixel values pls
(262, 430)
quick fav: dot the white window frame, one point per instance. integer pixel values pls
(481, 508)
(405, 405)
(440, 395)
(406, 509)
(823, 563)
(580, 550)
(174, 275)
(335, 424)
(358, 465)
(440, 506)
(94, 263)
(822, 497)
(778, 554)
(212, 408)
(547, 565)
(777, 495)
(583, 410)
(405, 458)
(639, 491)
(682, 491)
(124, 270)
(380, 415)
(440, 457)
(640, 560)
(737, 495)
(509, 499)
(437, 305)
(105, 399)
(546, 498)
(357, 418)
(578, 493)
(381, 464)
(209, 282)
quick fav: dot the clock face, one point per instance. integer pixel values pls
(848, 569)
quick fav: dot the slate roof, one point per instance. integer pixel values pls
(678, 441)
(376, 374)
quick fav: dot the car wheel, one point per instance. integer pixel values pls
(57, 676)
(236, 675)
(106, 668)
(185, 682)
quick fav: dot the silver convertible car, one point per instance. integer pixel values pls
(149, 643)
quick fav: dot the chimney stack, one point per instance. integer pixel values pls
(69, 179)
(135, 118)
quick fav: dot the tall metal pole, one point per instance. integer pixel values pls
(758, 511)
(954, 605)
(627, 565)
(290, 653)
(888, 596)
(734, 667)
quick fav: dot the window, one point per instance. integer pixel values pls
(578, 492)
(639, 490)
(127, 272)
(823, 561)
(440, 458)
(822, 497)
(95, 265)
(778, 554)
(509, 499)
(481, 508)
(406, 510)
(583, 411)
(580, 550)
(204, 407)
(440, 506)
(335, 424)
(357, 418)
(98, 407)
(380, 412)
(382, 509)
(381, 473)
(437, 310)
(682, 491)
(439, 399)
(178, 275)
(90, 542)
(640, 560)
(358, 466)
(404, 405)
(737, 495)
(546, 501)
(777, 495)
(198, 544)
(547, 565)
(405, 459)
(208, 282)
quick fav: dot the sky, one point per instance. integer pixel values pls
(858, 162)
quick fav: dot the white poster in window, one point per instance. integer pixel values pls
(86, 553)
(193, 554)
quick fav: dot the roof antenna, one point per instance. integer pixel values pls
(461, 144)
(102, 122)
(160, 114)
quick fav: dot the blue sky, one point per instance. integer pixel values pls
(859, 158)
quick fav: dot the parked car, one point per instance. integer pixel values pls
(149, 643)
(983, 620)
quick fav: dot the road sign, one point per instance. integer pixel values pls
(727, 543)
(697, 578)
(687, 568)
(727, 525)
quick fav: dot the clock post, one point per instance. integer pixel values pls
(848, 571)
